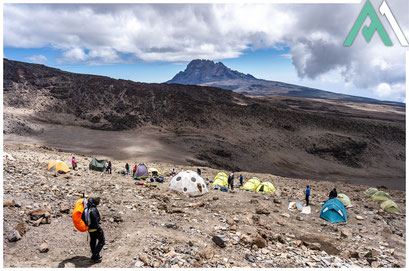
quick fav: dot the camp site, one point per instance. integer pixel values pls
(155, 219)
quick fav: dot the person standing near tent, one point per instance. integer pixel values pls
(95, 231)
(307, 195)
(134, 170)
(127, 168)
(109, 167)
(241, 180)
(74, 163)
(199, 171)
(333, 194)
(230, 180)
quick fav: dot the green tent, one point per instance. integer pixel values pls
(252, 184)
(221, 179)
(266, 187)
(371, 191)
(97, 165)
(390, 207)
(379, 198)
(344, 199)
(382, 194)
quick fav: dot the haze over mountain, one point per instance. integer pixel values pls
(205, 126)
(216, 74)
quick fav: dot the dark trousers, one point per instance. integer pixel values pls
(307, 199)
(231, 185)
(97, 235)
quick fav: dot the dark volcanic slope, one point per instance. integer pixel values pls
(223, 129)
(209, 73)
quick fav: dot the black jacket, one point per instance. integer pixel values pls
(94, 215)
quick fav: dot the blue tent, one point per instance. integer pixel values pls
(334, 211)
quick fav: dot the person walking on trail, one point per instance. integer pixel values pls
(74, 163)
(333, 194)
(307, 195)
(109, 167)
(127, 168)
(241, 180)
(96, 233)
(230, 180)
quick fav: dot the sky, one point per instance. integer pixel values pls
(293, 43)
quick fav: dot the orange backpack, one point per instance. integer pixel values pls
(79, 208)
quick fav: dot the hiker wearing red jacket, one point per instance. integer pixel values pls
(134, 170)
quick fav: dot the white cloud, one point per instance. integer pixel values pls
(103, 34)
(39, 59)
(390, 92)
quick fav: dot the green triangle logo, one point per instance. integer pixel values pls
(368, 32)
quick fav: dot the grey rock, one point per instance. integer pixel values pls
(250, 258)
(220, 240)
(13, 236)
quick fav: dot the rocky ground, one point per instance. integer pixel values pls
(154, 227)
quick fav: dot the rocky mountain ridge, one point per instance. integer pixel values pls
(216, 74)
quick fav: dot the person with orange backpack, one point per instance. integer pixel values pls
(86, 218)
(95, 230)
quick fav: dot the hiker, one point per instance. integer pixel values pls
(127, 168)
(241, 180)
(134, 170)
(333, 194)
(109, 167)
(74, 163)
(307, 195)
(173, 172)
(199, 171)
(94, 229)
(106, 166)
(230, 180)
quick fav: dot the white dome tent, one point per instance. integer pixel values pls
(188, 182)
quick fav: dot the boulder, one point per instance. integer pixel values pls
(144, 258)
(345, 233)
(354, 254)
(22, 228)
(371, 254)
(250, 258)
(220, 240)
(9, 203)
(230, 221)
(359, 217)
(13, 236)
(313, 246)
(64, 209)
(206, 253)
(43, 248)
(254, 201)
(260, 242)
(171, 225)
(198, 204)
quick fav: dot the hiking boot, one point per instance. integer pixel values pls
(96, 258)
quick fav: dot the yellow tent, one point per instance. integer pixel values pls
(266, 187)
(390, 207)
(252, 184)
(221, 179)
(57, 165)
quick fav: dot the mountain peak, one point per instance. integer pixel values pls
(200, 71)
